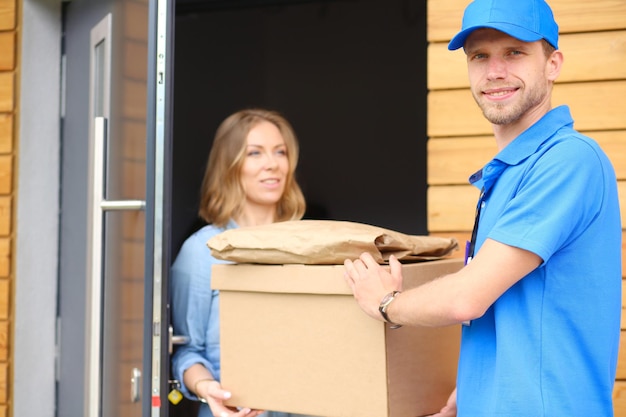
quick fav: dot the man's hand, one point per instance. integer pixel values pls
(370, 282)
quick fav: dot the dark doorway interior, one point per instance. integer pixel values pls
(349, 75)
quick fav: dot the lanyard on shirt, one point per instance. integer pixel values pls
(470, 246)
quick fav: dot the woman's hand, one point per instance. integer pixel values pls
(448, 410)
(213, 393)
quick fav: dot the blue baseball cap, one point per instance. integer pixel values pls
(526, 20)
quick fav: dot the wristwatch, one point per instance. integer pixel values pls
(384, 304)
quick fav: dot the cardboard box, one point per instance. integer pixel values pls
(293, 339)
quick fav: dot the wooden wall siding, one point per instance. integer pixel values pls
(8, 77)
(7, 57)
(595, 105)
(598, 56)
(444, 16)
(6, 91)
(7, 14)
(451, 207)
(5, 256)
(451, 159)
(6, 132)
(592, 83)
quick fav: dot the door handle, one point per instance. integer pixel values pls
(135, 386)
(175, 340)
(98, 206)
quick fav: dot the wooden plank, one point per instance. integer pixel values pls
(619, 399)
(623, 323)
(623, 261)
(6, 132)
(5, 216)
(6, 92)
(454, 112)
(621, 359)
(6, 174)
(596, 56)
(4, 340)
(5, 294)
(445, 16)
(4, 375)
(7, 51)
(621, 189)
(452, 160)
(614, 144)
(7, 14)
(446, 69)
(451, 207)
(593, 56)
(443, 19)
(598, 15)
(5, 257)
(595, 106)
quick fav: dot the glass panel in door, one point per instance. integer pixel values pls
(115, 302)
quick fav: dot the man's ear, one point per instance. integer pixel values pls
(553, 65)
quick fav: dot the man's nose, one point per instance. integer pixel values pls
(496, 68)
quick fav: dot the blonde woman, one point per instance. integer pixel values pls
(249, 181)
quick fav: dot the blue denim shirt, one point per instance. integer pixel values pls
(195, 306)
(195, 310)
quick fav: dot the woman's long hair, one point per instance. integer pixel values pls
(222, 196)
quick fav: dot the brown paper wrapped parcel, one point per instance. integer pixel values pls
(324, 242)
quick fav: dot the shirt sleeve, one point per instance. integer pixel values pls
(194, 314)
(559, 196)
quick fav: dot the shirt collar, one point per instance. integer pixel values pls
(522, 146)
(532, 138)
(232, 224)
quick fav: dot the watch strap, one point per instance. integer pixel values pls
(384, 304)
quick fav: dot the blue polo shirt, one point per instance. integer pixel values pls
(548, 346)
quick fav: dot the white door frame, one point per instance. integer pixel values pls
(37, 209)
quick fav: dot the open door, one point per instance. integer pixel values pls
(114, 194)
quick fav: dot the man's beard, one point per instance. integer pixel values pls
(507, 113)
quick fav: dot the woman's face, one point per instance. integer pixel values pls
(265, 166)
